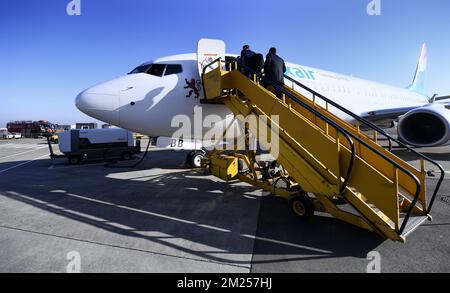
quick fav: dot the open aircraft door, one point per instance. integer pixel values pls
(209, 50)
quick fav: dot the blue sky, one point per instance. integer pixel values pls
(48, 57)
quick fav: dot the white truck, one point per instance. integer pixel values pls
(85, 144)
(5, 134)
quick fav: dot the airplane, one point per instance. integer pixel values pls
(146, 99)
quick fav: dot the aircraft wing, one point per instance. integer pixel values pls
(445, 99)
(383, 115)
(389, 115)
(446, 102)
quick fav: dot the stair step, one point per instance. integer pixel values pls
(413, 223)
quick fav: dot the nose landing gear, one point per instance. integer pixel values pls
(194, 158)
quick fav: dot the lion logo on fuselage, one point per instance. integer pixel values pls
(193, 86)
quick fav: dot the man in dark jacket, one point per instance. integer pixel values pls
(274, 69)
(258, 61)
(247, 58)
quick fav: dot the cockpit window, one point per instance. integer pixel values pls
(140, 69)
(173, 69)
(156, 69)
(152, 69)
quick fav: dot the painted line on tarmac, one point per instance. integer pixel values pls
(22, 153)
(321, 251)
(88, 164)
(58, 167)
(19, 146)
(437, 177)
(21, 164)
(117, 246)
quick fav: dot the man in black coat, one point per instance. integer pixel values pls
(247, 59)
(274, 69)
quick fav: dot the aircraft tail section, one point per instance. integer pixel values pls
(418, 84)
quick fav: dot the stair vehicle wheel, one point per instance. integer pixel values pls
(302, 206)
(74, 160)
(126, 156)
(194, 159)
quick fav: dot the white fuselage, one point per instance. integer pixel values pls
(147, 103)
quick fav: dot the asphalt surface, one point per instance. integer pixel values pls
(163, 217)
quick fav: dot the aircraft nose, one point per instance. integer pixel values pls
(88, 100)
(100, 102)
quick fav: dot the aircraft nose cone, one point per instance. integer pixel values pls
(81, 101)
(88, 100)
(100, 102)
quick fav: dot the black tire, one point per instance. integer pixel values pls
(126, 156)
(189, 158)
(194, 159)
(302, 206)
(74, 160)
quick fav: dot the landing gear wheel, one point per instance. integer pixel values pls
(302, 206)
(74, 160)
(194, 159)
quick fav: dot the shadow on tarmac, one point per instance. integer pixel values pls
(184, 204)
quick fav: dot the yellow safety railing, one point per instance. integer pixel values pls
(327, 155)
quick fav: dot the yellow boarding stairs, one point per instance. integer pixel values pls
(327, 164)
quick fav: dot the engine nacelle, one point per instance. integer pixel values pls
(426, 126)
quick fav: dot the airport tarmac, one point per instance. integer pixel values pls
(164, 217)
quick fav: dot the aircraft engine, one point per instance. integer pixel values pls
(426, 126)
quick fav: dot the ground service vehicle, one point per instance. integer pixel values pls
(88, 144)
(31, 129)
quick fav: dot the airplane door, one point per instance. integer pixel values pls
(209, 50)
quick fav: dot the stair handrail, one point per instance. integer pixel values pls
(383, 132)
(323, 117)
(340, 129)
(303, 104)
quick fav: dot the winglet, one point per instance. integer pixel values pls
(418, 84)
